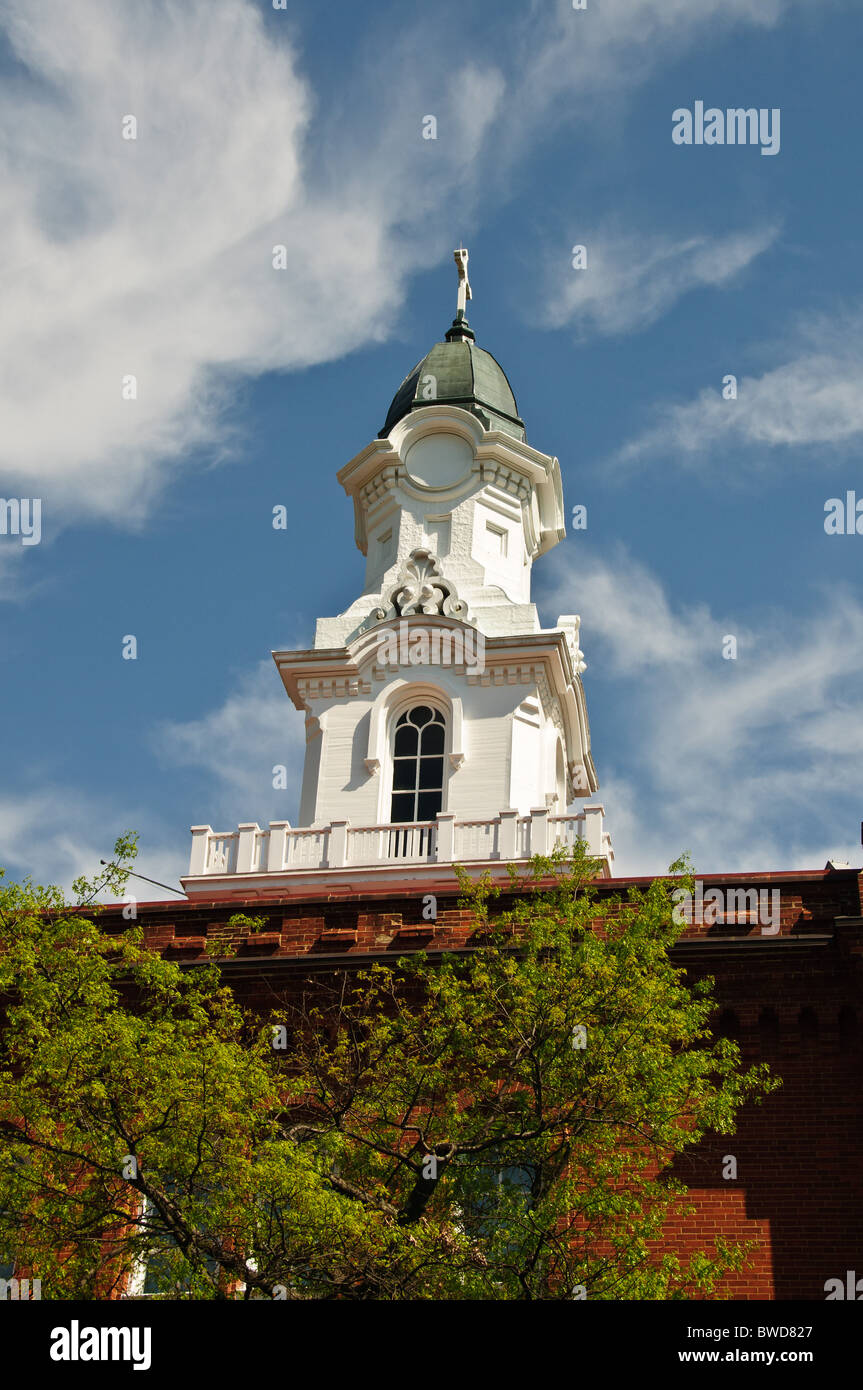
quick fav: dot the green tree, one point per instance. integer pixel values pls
(499, 1124)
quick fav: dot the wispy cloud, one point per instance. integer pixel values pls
(238, 744)
(569, 59)
(629, 281)
(750, 762)
(57, 834)
(814, 397)
(153, 257)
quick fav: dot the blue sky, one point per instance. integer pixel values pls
(303, 127)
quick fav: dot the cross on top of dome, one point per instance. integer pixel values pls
(460, 256)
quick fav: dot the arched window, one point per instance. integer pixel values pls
(729, 1026)
(418, 765)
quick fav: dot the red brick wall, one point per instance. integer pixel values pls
(794, 999)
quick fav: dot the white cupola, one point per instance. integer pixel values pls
(442, 721)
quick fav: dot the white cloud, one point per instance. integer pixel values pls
(153, 257)
(570, 60)
(747, 762)
(631, 280)
(57, 834)
(238, 744)
(814, 398)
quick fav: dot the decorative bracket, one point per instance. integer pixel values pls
(570, 624)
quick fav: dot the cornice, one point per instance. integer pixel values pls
(544, 658)
(514, 467)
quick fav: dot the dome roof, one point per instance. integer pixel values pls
(464, 375)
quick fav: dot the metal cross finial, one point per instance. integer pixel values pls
(464, 293)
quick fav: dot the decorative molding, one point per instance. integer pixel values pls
(570, 625)
(396, 691)
(546, 695)
(509, 480)
(331, 687)
(375, 488)
(421, 588)
(508, 673)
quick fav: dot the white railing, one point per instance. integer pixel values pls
(476, 839)
(522, 832)
(382, 844)
(221, 854)
(565, 830)
(306, 849)
(259, 851)
(505, 837)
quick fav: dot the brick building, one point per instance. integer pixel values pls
(792, 998)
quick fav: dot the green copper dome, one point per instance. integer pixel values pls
(457, 372)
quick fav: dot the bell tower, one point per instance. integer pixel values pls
(442, 721)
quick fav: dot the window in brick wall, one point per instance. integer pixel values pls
(274, 1249)
(849, 1036)
(499, 1191)
(163, 1272)
(808, 1025)
(768, 1030)
(729, 1025)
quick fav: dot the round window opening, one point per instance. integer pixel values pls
(439, 460)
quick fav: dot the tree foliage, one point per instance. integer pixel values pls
(498, 1124)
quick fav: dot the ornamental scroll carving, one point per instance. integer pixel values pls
(422, 588)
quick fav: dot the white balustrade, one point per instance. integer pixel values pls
(476, 839)
(222, 854)
(384, 844)
(415, 841)
(523, 842)
(281, 849)
(565, 830)
(260, 851)
(307, 849)
(277, 845)
(366, 844)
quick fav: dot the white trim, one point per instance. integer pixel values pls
(407, 697)
(396, 693)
